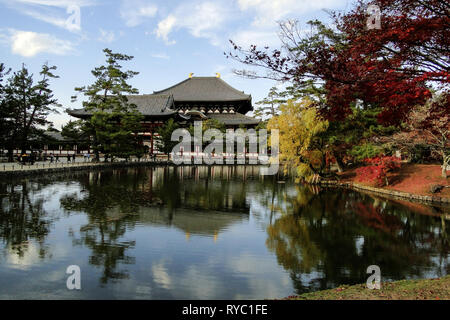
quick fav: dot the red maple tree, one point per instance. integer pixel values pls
(377, 169)
(392, 67)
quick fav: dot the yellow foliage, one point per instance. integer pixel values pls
(298, 124)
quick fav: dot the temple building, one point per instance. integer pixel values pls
(196, 98)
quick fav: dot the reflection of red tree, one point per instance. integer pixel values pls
(373, 217)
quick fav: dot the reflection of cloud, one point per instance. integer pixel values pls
(160, 276)
(197, 282)
(29, 258)
(264, 277)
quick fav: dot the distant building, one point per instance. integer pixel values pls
(196, 98)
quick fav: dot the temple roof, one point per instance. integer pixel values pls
(233, 118)
(205, 89)
(147, 104)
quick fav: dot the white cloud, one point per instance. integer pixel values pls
(265, 15)
(29, 44)
(106, 36)
(160, 56)
(165, 27)
(269, 11)
(201, 19)
(246, 38)
(135, 12)
(61, 13)
(58, 3)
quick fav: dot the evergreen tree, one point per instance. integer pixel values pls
(164, 137)
(114, 123)
(26, 106)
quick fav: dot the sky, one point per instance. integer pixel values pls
(168, 39)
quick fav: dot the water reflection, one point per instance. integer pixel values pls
(207, 233)
(23, 219)
(330, 238)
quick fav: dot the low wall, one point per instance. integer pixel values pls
(71, 168)
(28, 170)
(394, 193)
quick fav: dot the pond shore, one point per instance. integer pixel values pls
(16, 169)
(412, 182)
(425, 289)
(39, 168)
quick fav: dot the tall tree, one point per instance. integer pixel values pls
(76, 131)
(392, 67)
(433, 119)
(269, 106)
(300, 128)
(114, 122)
(28, 106)
(4, 113)
(163, 138)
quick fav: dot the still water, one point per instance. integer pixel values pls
(205, 233)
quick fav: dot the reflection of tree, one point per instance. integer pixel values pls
(334, 236)
(103, 238)
(206, 194)
(22, 217)
(112, 200)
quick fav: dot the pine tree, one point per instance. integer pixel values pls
(27, 106)
(115, 123)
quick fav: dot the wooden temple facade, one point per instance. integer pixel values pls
(193, 99)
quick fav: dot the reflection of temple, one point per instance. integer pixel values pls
(191, 222)
(192, 199)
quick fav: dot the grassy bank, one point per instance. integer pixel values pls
(428, 289)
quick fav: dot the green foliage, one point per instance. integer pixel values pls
(420, 153)
(351, 136)
(364, 151)
(26, 106)
(300, 128)
(269, 106)
(213, 124)
(76, 131)
(115, 123)
(164, 136)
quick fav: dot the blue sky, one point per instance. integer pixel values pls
(168, 39)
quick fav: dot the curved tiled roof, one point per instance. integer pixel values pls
(147, 104)
(233, 118)
(204, 89)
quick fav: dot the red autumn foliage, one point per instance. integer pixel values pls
(392, 67)
(377, 169)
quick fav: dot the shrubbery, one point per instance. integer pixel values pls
(365, 151)
(377, 169)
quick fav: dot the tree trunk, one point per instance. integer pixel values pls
(446, 162)
(339, 164)
(10, 154)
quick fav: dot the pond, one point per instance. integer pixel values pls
(205, 233)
